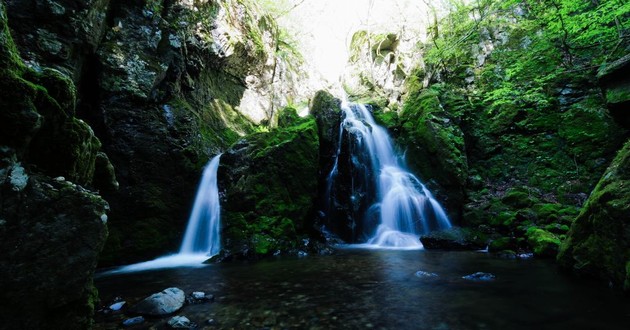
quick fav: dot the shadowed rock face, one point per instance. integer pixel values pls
(51, 230)
(163, 85)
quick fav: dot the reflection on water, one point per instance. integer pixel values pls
(359, 289)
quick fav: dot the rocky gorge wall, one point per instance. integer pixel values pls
(513, 144)
(176, 81)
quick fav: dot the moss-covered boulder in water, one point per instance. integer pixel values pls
(270, 184)
(598, 243)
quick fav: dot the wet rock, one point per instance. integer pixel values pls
(180, 322)
(117, 306)
(479, 276)
(198, 297)
(423, 274)
(133, 321)
(597, 244)
(162, 303)
(455, 239)
(271, 184)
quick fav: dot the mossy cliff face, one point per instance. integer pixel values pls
(598, 243)
(511, 142)
(156, 80)
(270, 185)
(51, 230)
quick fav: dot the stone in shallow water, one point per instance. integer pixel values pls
(198, 295)
(162, 303)
(180, 322)
(117, 306)
(133, 321)
(423, 274)
(479, 276)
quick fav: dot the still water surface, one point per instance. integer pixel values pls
(379, 289)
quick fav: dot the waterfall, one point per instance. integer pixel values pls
(202, 238)
(202, 232)
(400, 207)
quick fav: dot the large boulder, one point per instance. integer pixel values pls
(51, 230)
(270, 184)
(598, 243)
(168, 301)
(51, 233)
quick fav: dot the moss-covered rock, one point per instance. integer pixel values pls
(542, 242)
(598, 243)
(270, 184)
(434, 144)
(455, 238)
(614, 80)
(52, 232)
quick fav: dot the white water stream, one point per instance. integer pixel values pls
(404, 206)
(202, 239)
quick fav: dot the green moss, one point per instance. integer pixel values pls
(544, 243)
(518, 199)
(271, 187)
(617, 95)
(626, 285)
(598, 244)
(287, 117)
(502, 244)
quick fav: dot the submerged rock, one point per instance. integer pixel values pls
(117, 306)
(162, 303)
(180, 322)
(422, 274)
(479, 276)
(133, 321)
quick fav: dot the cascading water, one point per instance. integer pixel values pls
(202, 233)
(202, 238)
(401, 207)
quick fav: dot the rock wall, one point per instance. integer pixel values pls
(51, 230)
(163, 84)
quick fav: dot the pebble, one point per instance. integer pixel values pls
(117, 306)
(133, 321)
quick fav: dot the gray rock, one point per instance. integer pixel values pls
(479, 276)
(117, 306)
(423, 274)
(162, 303)
(133, 321)
(180, 322)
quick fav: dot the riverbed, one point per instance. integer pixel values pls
(377, 289)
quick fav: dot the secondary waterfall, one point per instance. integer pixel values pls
(202, 232)
(202, 238)
(400, 207)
